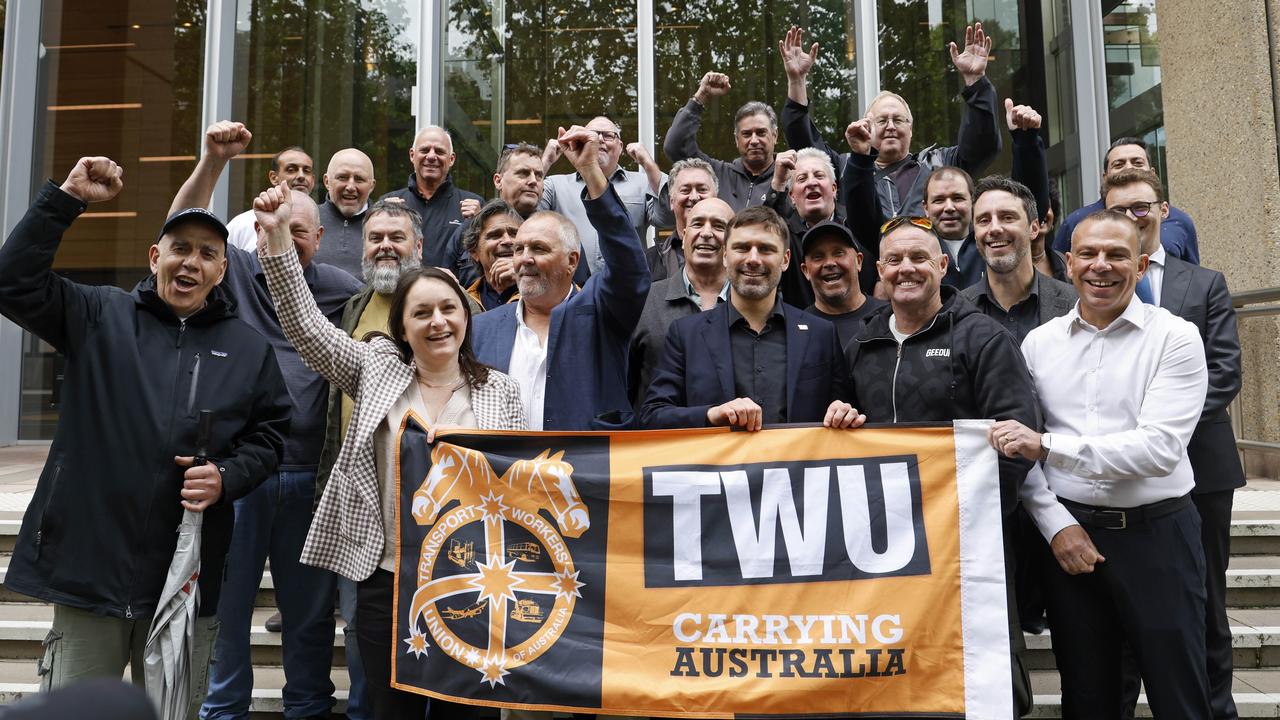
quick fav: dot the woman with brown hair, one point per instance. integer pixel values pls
(425, 365)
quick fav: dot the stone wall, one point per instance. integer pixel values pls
(1218, 77)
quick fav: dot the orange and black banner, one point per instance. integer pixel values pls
(704, 573)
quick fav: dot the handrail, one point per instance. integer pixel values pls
(1242, 301)
(1252, 297)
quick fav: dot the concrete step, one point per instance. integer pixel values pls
(23, 627)
(1256, 692)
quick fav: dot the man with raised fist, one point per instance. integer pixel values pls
(100, 532)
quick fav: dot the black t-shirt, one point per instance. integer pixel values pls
(849, 324)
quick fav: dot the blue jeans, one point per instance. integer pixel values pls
(358, 707)
(273, 521)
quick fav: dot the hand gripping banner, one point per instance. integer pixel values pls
(797, 571)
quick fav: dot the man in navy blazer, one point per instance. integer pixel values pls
(567, 347)
(1199, 296)
(754, 360)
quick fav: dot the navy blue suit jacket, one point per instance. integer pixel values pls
(696, 372)
(590, 331)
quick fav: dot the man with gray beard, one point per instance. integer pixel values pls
(392, 244)
(1011, 292)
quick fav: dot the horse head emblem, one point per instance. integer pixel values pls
(547, 480)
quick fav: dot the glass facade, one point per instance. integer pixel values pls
(121, 79)
(325, 75)
(128, 79)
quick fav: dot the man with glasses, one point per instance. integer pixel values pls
(1199, 296)
(1177, 231)
(900, 173)
(639, 192)
(745, 180)
(931, 356)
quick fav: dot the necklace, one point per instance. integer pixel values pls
(1037, 258)
(450, 384)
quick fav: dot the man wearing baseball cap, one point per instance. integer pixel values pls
(831, 263)
(141, 366)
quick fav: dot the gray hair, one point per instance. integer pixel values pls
(396, 209)
(448, 138)
(755, 107)
(568, 231)
(471, 232)
(693, 164)
(813, 154)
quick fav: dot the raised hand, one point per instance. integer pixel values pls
(551, 154)
(271, 210)
(469, 208)
(94, 179)
(858, 135)
(784, 163)
(636, 152)
(225, 139)
(713, 84)
(972, 63)
(1020, 117)
(795, 60)
(582, 147)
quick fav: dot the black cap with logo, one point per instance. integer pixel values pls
(194, 214)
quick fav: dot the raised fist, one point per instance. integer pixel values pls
(636, 152)
(858, 135)
(1020, 117)
(469, 208)
(580, 145)
(272, 207)
(713, 84)
(94, 179)
(784, 163)
(226, 139)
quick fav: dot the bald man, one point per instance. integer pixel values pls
(432, 194)
(347, 181)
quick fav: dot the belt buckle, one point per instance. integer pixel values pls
(1107, 514)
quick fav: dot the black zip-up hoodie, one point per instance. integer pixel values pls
(100, 531)
(961, 364)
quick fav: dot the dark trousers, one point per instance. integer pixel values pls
(1150, 592)
(1215, 537)
(374, 603)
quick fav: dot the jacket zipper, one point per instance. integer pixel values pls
(893, 388)
(195, 381)
(53, 486)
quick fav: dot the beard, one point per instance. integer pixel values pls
(1009, 262)
(382, 278)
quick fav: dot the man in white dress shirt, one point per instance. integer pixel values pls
(1122, 384)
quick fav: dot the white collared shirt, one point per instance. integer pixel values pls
(529, 368)
(1120, 405)
(1155, 274)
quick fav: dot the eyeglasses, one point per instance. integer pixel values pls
(897, 120)
(608, 135)
(1138, 209)
(919, 221)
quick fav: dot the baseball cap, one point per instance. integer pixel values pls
(825, 229)
(194, 214)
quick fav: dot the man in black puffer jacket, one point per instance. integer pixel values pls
(99, 534)
(931, 356)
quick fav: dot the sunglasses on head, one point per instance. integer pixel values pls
(919, 221)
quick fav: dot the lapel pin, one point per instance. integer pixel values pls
(802, 327)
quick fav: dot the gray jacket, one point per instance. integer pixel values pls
(666, 303)
(1055, 298)
(738, 186)
(342, 244)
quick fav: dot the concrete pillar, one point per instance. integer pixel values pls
(1218, 65)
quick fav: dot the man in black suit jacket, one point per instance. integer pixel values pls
(1199, 296)
(722, 367)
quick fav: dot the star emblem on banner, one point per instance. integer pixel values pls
(473, 657)
(417, 643)
(496, 581)
(566, 584)
(492, 507)
(493, 670)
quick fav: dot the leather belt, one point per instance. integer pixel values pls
(1122, 518)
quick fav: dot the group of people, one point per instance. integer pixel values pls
(880, 285)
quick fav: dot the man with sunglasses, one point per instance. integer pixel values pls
(1177, 231)
(639, 192)
(932, 356)
(1200, 296)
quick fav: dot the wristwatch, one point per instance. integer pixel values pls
(1044, 443)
